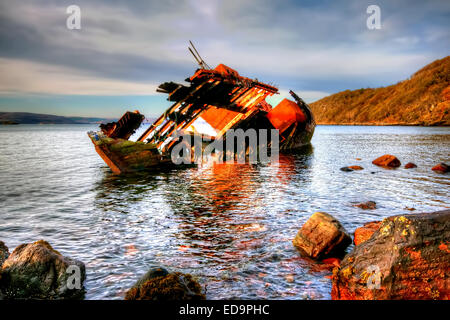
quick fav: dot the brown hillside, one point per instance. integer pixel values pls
(424, 99)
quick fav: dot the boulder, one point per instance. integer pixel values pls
(367, 205)
(364, 233)
(322, 236)
(408, 257)
(37, 271)
(4, 253)
(441, 167)
(410, 165)
(160, 284)
(387, 161)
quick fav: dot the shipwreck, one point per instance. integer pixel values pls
(214, 101)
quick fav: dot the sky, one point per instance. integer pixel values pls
(125, 49)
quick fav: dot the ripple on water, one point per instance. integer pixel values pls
(230, 225)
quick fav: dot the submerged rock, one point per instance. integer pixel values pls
(364, 233)
(408, 257)
(367, 205)
(441, 167)
(322, 236)
(356, 167)
(159, 284)
(387, 161)
(410, 165)
(37, 271)
(351, 168)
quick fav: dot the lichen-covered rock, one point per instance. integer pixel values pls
(410, 165)
(37, 271)
(322, 236)
(356, 167)
(441, 167)
(387, 161)
(159, 284)
(4, 253)
(408, 257)
(364, 233)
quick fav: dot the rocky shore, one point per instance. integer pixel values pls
(401, 257)
(37, 271)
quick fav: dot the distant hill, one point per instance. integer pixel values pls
(36, 118)
(423, 99)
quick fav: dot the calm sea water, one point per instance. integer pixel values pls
(230, 225)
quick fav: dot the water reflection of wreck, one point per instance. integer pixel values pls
(215, 101)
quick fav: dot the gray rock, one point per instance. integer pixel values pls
(160, 284)
(37, 271)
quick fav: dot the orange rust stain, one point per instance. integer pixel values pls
(262, 275)
(218, 118)
(333, 261)
(183, 248)
(444, 247)
(108, 161)
(131, 250)
(226, 71)
(414, 254)
(284, 114)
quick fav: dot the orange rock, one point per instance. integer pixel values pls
(332, 261)
(404, 259)
(387, 161)
(444, 247)
(441, 167)
(356, 167)
(364, 233)
(322, 236)
(410, 165)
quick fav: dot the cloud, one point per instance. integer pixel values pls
(25, 77)
(311, 46)
(307, 96)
